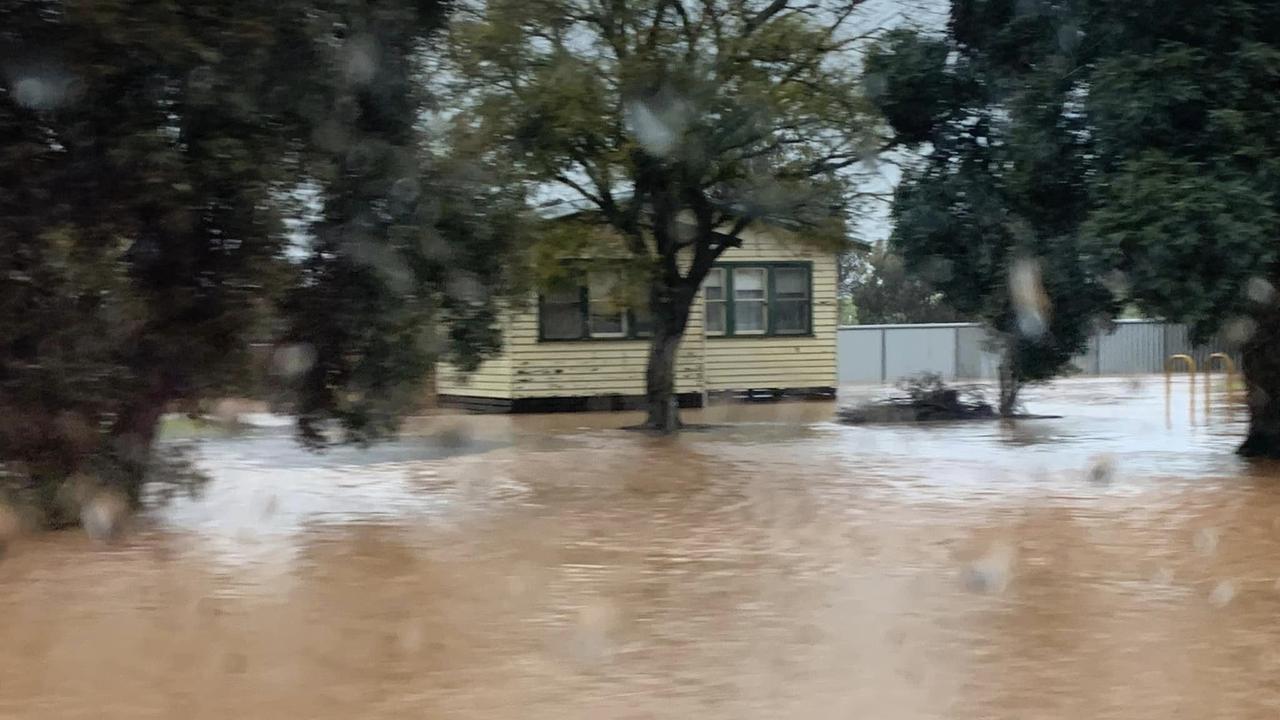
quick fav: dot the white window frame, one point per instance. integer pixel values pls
(723, 303)
(763, 300)
(622, 313)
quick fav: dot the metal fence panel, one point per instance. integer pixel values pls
(911, 351)
(858, 354)
(974, 359)
(886, 353)
(1133, 348)
(1089, 362)
(1178, 340)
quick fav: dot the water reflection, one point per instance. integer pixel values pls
(780, 566)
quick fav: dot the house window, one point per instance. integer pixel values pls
(713, 291)
(606, 317)
(746, 299)
(560, 315)
(750, 301)
(596, 310)
(790, 301)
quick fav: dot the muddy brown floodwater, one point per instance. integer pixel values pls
(1103, 565)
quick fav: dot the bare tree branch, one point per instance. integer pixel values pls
(578, 188)
(753, 23)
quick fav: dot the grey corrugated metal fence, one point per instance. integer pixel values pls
(887, 353)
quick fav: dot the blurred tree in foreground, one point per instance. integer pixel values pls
(991, 213)
(1183, 107)
(150, 155)
(883, 291)
(678, 123)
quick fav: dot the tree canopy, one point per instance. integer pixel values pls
(154, 224)
(1184, 114)
(991, 212)
(882, 291)
(1133, 144)
(677, 123)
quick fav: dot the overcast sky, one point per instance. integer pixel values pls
(871, 221)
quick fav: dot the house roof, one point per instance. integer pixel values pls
(560, 208)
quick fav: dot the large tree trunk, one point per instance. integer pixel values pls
(133, 438)
(670, 308)
(1009, 384)
(1261, 355)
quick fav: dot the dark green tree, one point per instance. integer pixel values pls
(149, 156)
(882, 291)
(991, 212)
(406, 257)
(1185, 117)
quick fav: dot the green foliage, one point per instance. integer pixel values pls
(907, 78)
(882, 291)
(1002, 184)
(1185, 239)
(1135, 141)
(1183, 107)
(1183, 110)
(150, 155)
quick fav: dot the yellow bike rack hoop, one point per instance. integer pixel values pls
(1189, 363)
(1229, 366)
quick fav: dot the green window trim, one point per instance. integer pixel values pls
(772, 302)
(584, 309)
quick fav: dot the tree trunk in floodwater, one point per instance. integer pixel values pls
(1261, 355)
(133, 438)
(1009, 385)
(670, 309)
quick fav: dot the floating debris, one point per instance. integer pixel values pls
(926, 398)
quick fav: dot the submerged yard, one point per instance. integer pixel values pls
(1110, 563)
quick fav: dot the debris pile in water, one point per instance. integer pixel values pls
(924, 398)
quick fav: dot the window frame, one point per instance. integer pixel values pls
(725, 301)
(776, 301)
(771, 310)
(624, 314)
(584, 309)
(765, 301)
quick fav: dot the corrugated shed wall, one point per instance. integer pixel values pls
(887, 353)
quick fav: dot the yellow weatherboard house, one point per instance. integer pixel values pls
(763, 326)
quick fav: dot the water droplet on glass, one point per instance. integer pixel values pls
(270, 507)
(589, 642)
(362, 62)
(1117, 282)
(991, 572)
(405, 190)
(1223, 593)
(46, 90)
(103, 516)
(1206, 541)
(293, 359)
(1102, 469)
(1259, 290)
(466, 287)
(657, 132)
(1068, 38)
(1030, 302)
(1238, 330)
